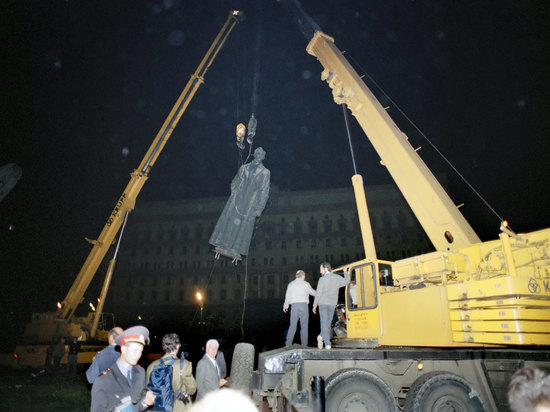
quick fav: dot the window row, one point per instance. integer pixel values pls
(184, 297)
(281, 244)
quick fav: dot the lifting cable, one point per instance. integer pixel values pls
(428, 140)
(258, 48)
(346, 121)
(252, 122)
(203, 290)
(237, 113)
(244, 295)
(240, 132)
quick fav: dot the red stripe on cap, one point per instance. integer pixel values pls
(132, 338)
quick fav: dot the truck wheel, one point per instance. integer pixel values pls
(440, 391)
(241, 367)
(358, 390)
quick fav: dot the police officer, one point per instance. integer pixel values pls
(123, 384)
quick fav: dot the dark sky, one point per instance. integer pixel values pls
(86, 85)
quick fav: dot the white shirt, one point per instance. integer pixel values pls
(353, 295)
(215, 363)
(298, 291)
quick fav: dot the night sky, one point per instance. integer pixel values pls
(86, 85)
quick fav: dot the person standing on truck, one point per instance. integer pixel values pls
(297, 296)
(326, 298)
(105, 358)
(353, 293)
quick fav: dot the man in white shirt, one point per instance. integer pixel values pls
(352, 288)
(297, 296)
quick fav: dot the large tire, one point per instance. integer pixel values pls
(357, 390)
(241, 367)
(442, 392)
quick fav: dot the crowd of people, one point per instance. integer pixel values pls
(119, 383)
(57, 350)
(167, 384)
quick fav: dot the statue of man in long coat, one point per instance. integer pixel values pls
(249, 193)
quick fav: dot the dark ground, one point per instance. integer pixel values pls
(21, 391)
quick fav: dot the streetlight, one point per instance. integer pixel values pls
(199, 298)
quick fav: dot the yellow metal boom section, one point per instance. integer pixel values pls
(441, 220)
(364, 219)
(127, 201)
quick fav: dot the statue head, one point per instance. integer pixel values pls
(259, 154)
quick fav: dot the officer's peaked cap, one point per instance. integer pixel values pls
(138, 334)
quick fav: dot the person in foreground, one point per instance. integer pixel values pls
(122, 386)
(226, 400)
(529, 390)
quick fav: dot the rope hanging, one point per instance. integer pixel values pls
(252, 122)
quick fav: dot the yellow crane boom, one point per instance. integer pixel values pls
(127, 200)
(436, 212)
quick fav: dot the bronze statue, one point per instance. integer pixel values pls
(249, 193)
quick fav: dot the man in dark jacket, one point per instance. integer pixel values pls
(123, 384)
(326, 298)
(58, 353)
(105, 358)
(72, 359)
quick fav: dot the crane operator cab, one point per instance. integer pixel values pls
(360, 309)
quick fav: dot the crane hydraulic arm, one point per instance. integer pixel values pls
(127, 200)
(436, 212)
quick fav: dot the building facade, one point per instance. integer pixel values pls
(165, 258)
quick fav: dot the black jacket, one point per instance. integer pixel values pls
(111, 388)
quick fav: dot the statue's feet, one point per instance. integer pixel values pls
(235, 256)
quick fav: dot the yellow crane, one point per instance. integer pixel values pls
(46, 326)
(467, 292)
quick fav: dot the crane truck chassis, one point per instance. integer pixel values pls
(389, 379)
(440, 331)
